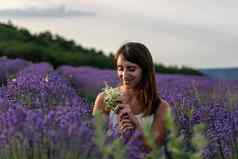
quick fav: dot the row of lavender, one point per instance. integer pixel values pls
(39, 105)
(39, 110)
(213, 102)
(194, 100)
(42, 114)
(87, 81)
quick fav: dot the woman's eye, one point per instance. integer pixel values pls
(132, 69)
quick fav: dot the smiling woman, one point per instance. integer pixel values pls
(140, 99)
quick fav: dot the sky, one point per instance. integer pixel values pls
(198, 34)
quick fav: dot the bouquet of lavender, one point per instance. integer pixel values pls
(112, 97)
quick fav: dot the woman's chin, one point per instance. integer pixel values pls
(128, 86)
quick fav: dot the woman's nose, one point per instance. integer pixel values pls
(125, 74)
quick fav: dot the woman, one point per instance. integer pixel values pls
(136, 72)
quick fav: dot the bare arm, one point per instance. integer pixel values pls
(159, 129)
(99, 105)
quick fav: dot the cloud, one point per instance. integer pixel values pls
(194, 33)
(59, 11)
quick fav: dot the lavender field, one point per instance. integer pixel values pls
(46, 112)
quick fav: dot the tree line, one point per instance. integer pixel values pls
(16, 42)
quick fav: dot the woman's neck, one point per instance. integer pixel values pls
(131, 97)
(129, 91)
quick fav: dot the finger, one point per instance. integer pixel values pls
(126, 122)
(123, 115)
(133, 123)
(128, 126)
(125, 119)
(129, 119)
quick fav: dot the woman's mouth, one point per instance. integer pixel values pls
(127, 82)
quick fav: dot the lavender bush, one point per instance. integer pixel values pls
(88, 81)
(38, 86)
(10, 67)
(43, 116)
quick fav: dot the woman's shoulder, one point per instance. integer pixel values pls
(163, 107)
(99, 103)
(101, 95)
(164, 103)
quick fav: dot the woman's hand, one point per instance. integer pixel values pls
(127, 120)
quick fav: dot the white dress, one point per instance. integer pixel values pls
(113, 123)
(142, 120)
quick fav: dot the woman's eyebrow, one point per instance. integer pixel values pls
(131, 66)
(128, 66)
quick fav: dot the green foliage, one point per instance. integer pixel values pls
(198, 140)
(150, 139)
(115, 150)
(20, 43)
(176, 70)
(175, 141)
(112, 97)
(176, 144)
(90, 99)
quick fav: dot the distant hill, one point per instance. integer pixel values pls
(221, 73)
(18, 42)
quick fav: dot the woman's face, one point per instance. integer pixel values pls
(130, 74)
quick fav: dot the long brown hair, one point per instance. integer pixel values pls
(139, 54)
